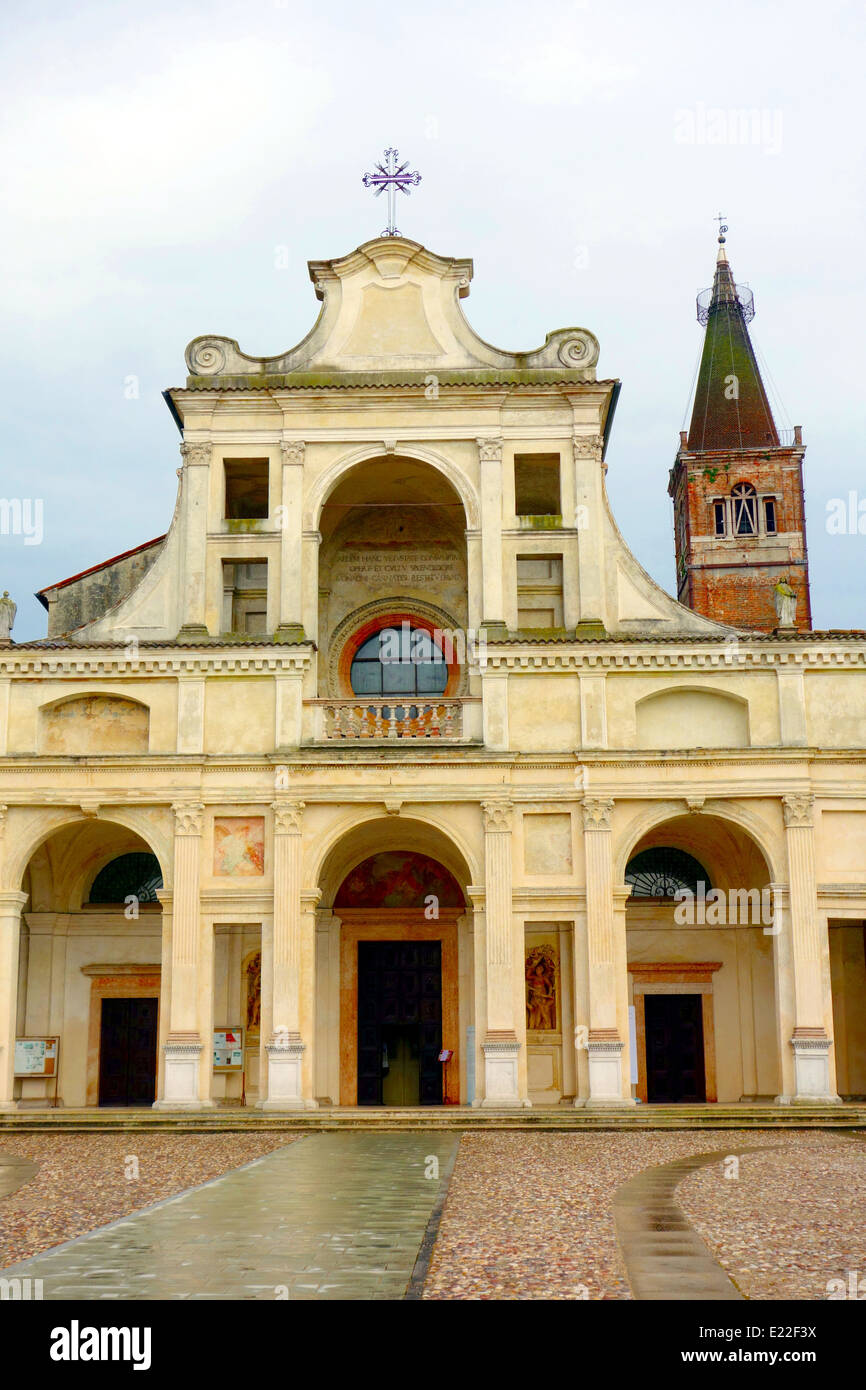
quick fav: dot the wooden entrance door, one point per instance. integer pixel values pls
(127, 1052)
(675, 1049)
(399, 1022)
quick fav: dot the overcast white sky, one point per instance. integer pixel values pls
(155, 157)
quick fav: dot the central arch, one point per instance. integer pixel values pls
(395, 895)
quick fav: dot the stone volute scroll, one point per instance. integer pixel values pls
(489, 450)
(597, 812)
(498, 815)
(587, 446)
(287, 817)
(292, 452)
(196, 455)
(188, 816)
(797, 808)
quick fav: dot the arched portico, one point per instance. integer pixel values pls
(88, 968)
(395, 965)
(713, 959)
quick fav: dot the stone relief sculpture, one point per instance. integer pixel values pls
(541, 989)
(253, 974)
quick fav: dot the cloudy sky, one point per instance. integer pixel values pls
(169, 168)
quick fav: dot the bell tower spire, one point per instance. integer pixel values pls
(737, 483)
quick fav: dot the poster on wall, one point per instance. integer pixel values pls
(228, 1049)
(36, 1056)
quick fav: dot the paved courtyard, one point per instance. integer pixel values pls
(359, 1215)
(334, 1216)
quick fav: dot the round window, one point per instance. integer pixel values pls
(399, 661)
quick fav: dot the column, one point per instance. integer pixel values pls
(11, 903)
(195, 477)
(589, 511)
(501, 1046)
(290, 612)
(285, 1047)
(606, 972)
(186, 1083)
(808, 964)
(490, 466)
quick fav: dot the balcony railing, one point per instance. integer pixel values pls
(391, 718)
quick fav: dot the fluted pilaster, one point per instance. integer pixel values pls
(11, 904)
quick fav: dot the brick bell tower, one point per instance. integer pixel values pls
(736, 483)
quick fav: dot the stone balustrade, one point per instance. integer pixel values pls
(391, 718)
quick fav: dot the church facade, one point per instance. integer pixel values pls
(387, 776)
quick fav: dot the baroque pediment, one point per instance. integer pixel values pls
(393, 306)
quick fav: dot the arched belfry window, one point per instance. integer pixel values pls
(744, 501)
(137, 875)
(663, 872)
(402, 660)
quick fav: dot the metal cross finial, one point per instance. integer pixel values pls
(390, 177)
(723, 227)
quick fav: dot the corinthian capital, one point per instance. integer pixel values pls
(797, 808)
(195, 454)
(497, 815)
(597, 812)
(587, 446)
(293, 452)
(188, 817)
(489, 450)
(287, 817)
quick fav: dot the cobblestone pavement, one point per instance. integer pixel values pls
(787, 1222)
(529, 1216)
(334, 1216)
(75, 1182)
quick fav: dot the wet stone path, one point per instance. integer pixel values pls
(331, 1216)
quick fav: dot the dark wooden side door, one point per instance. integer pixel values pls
(127, 1052)
(674, 1049)
(399, 1006)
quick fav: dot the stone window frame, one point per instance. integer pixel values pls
(675, 977)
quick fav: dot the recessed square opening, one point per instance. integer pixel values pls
(246, 489)
(536, 485)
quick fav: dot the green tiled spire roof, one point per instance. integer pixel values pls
(731, 410)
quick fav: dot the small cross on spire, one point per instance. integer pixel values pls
(723, 227)
(390, 177)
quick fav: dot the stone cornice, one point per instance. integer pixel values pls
(675, 653)
(112, 662)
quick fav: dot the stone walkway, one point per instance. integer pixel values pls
(332, 1216)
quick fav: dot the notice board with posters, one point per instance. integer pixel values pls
(228, 1049)
(36, 1056)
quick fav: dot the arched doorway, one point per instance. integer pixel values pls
(399, 910)
(701, 963)
(395, 966)
(91, 946)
